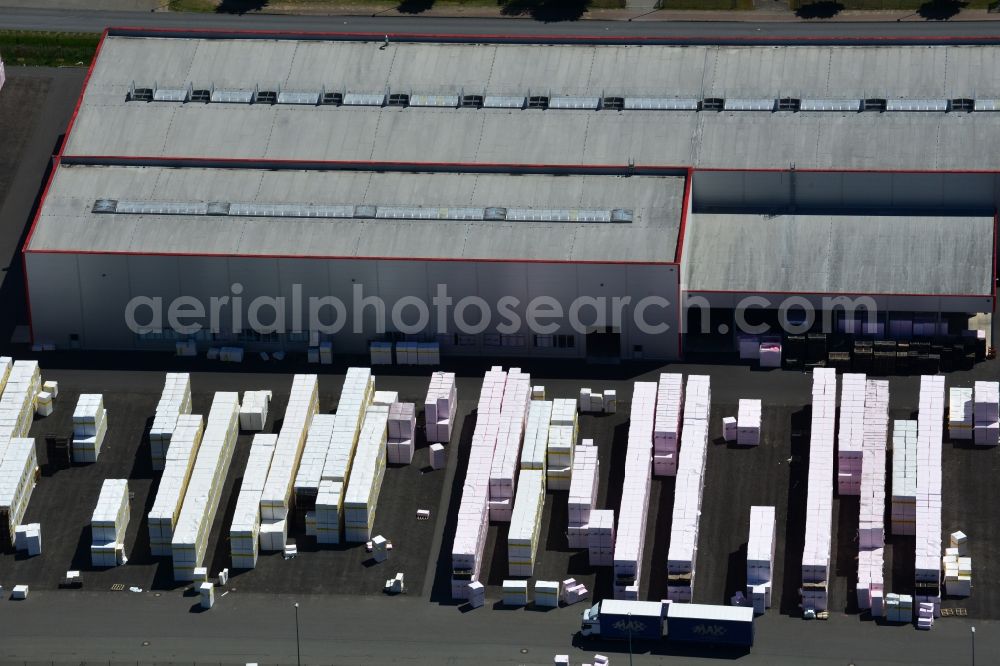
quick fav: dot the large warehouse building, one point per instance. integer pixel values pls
(673, 179)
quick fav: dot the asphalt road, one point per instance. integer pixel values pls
(62, 627)
(668, 32)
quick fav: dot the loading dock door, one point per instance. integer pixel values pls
(603, 345)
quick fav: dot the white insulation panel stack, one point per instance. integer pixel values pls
(310, 473)
(184, 443)
(631, 535)
(303, 404)
(850, 442)
(601, 538)
(526, 522)
(667, 426)
(748, 417)
(245, 529)
(402, 430)
(986, 414)
(683, 551)
(355, 398)
(903, 513)
(871, 521)
(208, 477)
(536, 435)
(17, 480)
(760, 557)
(109, 524)
(507, 454)
(253, 410)
(960, 421)
(563, 432)
(6, 363)
(439, 407)
(930, 426)
(819, 497)
(473, 511)
(582, 492)
(17, 405)
(365, 481)
(90, 425)
(175, 400)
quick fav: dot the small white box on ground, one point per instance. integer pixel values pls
(200, 574)
(20, 592)
(437, 453)
(547, 593)
(515, 592)
(207, 592)
(729, 428)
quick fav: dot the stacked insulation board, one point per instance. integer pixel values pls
(184, 443)
(275, 501)
(439, 407)
(245, 530)
(960, 421)
(631, 534)
(563, 431)
(871, 521)
(90, 425)
(683, 551)
(109, 524)
(355, 397)
(930, 426)
(582, 493)
(526, 522)
(6, 362)
(986, 413)
(18, 472)
(748, 416)
(760, 557)
(667, 426)
(402, 430)
(174, 401)
(850, 438)
(313, 459)
(253, 410)
(819, 497)
(536, 435)
(601, 538)
(190, 540)
(903, 513)
(365, 481)
(473, 510)
(17, 405)
(503, 470)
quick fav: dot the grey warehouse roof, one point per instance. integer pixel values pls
(839, 254)
(67, 220)
(931, 140)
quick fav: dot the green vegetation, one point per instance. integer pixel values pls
(47, 49)
(193, 5)
(507, 7)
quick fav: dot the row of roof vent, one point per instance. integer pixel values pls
(363, 211)
(547, 101)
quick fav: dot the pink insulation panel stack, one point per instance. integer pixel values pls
(851, 434)
(402, 426)
(667, 425)
(439, 407)
(930, 432)
(582, 493)
(682, 554)
(819, 497)
(871, 520)
(503, 471)
(631, 534)
(473, 511)
(601, 538)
